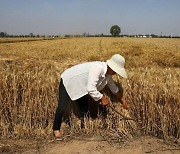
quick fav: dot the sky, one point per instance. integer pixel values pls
(61, 17)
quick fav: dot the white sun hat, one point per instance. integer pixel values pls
(116, 63)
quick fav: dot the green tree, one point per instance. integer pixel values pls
(31, 35)
(115, 30)
(3, 34)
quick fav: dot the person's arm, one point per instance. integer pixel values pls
(94, 74)
(93, 79)
(118, 92)
(119, 96)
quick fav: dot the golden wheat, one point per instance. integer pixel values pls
(30, 74)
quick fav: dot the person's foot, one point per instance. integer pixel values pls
(57, 133)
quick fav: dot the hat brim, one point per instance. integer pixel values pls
(115, 68)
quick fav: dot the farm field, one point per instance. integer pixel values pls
(14, 40)
(30, 74)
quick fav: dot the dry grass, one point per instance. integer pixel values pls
(30, 73)
(25, 39)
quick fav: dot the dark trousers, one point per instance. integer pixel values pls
(63, 102)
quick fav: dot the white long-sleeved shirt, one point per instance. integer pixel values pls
(87, 78)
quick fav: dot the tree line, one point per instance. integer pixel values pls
(115, 31)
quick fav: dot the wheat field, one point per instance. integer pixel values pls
(30, 74)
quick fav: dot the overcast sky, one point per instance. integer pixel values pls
(58, 17)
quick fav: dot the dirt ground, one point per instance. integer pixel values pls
(140, 145)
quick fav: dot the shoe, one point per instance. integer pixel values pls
(57, 133)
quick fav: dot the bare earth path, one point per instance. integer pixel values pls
(90, 146)
(93, 145)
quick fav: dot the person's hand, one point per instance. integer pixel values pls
(124, 104)
(104, 101)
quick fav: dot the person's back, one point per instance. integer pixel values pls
(79, 69)
(75, 79)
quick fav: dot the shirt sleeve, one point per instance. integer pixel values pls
(112, 86)
(94, 75)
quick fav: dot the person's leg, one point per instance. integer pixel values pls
(62, 105)
(83, 106)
